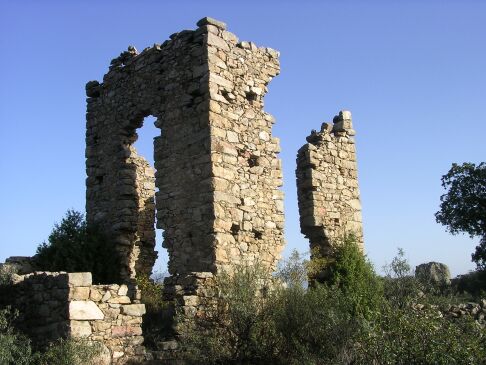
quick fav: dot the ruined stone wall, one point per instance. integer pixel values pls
(327, 185)
(248, 204)
(55, 305)
(217, 171)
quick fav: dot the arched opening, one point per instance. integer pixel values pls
(144, 146)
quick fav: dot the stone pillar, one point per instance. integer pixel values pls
(327, 185)
(217, 171)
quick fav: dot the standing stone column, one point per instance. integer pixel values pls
(327, 185)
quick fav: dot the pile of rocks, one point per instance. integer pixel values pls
(474, 310)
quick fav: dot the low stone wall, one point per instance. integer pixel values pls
(476, 311)
(56, 305)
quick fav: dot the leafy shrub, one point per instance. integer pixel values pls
(68, 352)
(6, 272)
(329, 323)
(158, 319)
(351, 272)
(237, 329)
(151, 293)
(472, 283)
(405, 336)
(314, 326)
(294, 271)
(74, 246)
(401, 288)
(14, 348)
(257, 322)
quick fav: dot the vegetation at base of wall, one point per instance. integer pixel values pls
(15, 348)
(353, 274)
(256, 322)
(158, 320)
(68, 352)
(404, 336)
(74, 246)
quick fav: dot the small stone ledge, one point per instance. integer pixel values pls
(211, 21)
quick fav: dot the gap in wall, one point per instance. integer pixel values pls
(145, 147)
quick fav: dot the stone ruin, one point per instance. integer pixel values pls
(327, 186)
(217, 172)
(215, 190)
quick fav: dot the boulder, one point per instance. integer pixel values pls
(434, 273)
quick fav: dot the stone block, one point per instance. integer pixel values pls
(84, 310)
(136, 310)
(210, 21)
(123, 290)
(79, 293)
(120, 300)
(80, 329)
(80, 279)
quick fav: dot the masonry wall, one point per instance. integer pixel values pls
(217, 171)
(327, 185)
(56, 305)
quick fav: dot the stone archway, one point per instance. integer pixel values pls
(216, 161)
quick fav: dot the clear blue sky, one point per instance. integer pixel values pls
(413, 73)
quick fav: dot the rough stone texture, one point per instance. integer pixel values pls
(217, 171)
(56, 305)
(434, 273)
(327, 185)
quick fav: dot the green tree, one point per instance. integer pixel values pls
(463, 207)
(74, 246)
(350, 271)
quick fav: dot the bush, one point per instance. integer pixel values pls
(158, 320)
(314, 326)
(401, 288)
(6, 273)
(68, 352)
(257, 322)
(14, 348)
(345, 320)
(73, 246)
(472, 283)
(237, 329)
(406, 336)
(351, 272)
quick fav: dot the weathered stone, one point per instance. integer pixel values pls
(123, 290)
(136, 310)
(84, 310)
(80, 279)
(119, 300)
(434, 273)
(210, 21)
(80, 329)
(79, 293)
